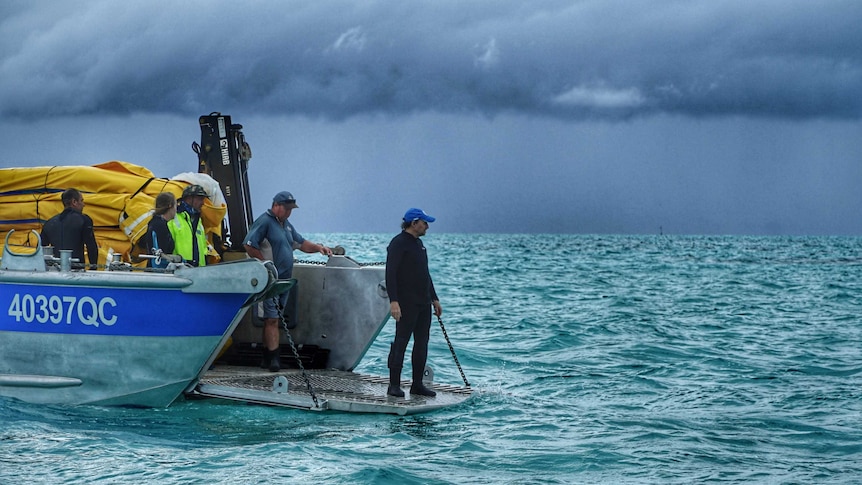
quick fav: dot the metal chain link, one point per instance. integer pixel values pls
(296, 353)
(323, 263)
(452, 349)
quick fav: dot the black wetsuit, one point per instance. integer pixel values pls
(73, 230)
(408, 282)
(158, 236)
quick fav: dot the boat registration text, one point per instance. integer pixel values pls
(62, 309)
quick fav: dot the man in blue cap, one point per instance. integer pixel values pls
(411, 297)
(274, 227)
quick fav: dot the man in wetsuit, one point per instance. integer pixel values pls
(72, 229)
(158, 239)
(411, 297)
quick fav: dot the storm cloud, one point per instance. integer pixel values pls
(569, 60)
(590, 116)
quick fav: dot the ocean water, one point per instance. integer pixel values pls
(594, 359)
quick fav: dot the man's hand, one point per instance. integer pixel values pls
(172, 258)
(395, 310)
(438, 310)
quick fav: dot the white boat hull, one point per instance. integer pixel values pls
(118, 338)
(342, 307)
(131, 371)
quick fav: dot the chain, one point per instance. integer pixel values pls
(296, 353)
(323, 263)
(378, 263)
(452, 349)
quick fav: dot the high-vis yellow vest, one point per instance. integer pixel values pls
(181, 229)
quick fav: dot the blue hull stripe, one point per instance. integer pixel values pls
(80, 310)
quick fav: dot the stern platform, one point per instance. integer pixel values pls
(335, 390)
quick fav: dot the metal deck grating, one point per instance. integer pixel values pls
(335, 390)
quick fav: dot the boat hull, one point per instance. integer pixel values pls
(341, 308)
(135, 339)
(121, 371)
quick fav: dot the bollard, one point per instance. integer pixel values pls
(65, 260)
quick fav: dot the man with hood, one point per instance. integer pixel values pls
(187, 229)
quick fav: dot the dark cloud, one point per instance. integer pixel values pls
(605, 116)
(608, 59)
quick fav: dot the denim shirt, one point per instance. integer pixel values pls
(282, 237)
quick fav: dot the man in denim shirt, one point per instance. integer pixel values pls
(274, 227)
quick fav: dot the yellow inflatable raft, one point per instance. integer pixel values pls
(119, 197)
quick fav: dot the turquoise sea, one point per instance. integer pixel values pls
(595, 359)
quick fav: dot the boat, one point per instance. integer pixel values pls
(335, 311)
(112, 337)
(341, 307)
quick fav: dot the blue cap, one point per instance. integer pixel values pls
(415, 214)
(286, 198)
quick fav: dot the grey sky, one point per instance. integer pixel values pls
(558, 116)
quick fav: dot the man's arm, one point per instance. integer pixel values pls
(393, 260)
(253, 238)
(47, 232)
(90, 241)
(254, 252)
(45, 238)
(310, 247)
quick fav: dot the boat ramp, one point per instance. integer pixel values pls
(322, 390)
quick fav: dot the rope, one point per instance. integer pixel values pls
(452, 349)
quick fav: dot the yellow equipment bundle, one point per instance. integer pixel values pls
(119, 197)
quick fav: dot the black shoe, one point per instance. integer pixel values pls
(265, 358)
(419, 389)
(275, 361)
(395, 391)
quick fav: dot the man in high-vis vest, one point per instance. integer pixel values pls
(190, 240)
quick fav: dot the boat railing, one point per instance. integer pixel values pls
(34, 260)
(40, 258)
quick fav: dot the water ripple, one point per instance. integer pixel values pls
(606, 359)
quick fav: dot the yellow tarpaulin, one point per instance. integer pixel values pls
(118, 196)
